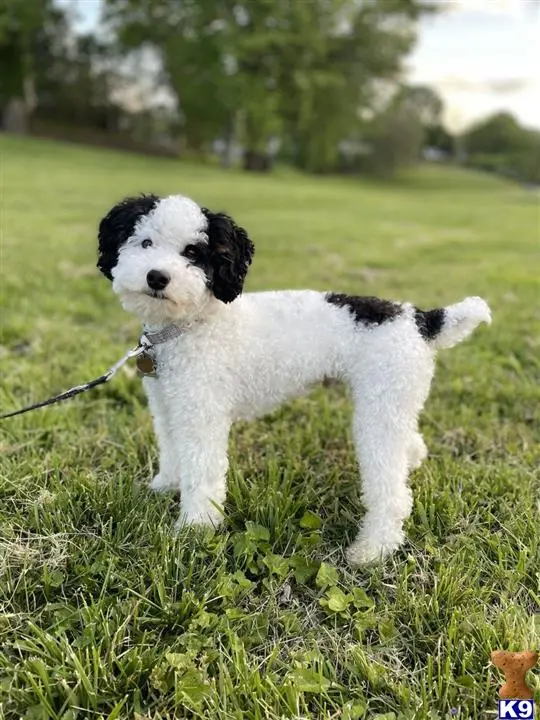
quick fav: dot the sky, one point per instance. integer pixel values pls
(482, 56)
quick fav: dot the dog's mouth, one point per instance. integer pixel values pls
(158, 294)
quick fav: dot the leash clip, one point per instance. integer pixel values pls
(146, 359)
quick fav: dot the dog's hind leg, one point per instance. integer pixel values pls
(387, 403)
(382, 448)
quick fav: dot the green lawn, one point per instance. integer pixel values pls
(105, 614)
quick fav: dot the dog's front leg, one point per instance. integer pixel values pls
(166, 478)
(201, 465)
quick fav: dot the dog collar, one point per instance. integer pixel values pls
(169, 332)
(146, 361)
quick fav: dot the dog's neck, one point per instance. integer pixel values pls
(203, 315)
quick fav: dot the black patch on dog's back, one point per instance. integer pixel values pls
(429, 322)
(118, 225)
(366, 310)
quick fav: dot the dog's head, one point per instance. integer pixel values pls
(168, 257)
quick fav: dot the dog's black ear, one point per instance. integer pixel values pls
(230, 254)
(117, 226)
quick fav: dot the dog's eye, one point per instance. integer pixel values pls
(146, 243)
(190, 252)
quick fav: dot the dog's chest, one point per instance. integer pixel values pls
(170, 359)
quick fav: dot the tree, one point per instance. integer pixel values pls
(499, 144)
(192, 43)
(255, 68)
(498, 134)
(24, 25)
(396, 136)
(73, 82)
(426, 104)
(436, 136)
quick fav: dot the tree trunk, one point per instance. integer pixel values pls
(15, 116)
(256, 161)
(230, 138)
(18, 84)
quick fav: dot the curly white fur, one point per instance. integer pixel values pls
(243, 359)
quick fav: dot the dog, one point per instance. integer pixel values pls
(226, 356)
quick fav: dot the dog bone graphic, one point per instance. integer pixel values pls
(514, 666)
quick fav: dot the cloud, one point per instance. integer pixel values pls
(482, 56)
(499, 86)
(508, 86)
(488, 7)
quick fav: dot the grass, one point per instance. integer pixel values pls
(105, 614)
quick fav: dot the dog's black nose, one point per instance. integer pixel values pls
(157, 279)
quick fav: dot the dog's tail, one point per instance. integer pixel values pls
(446, 327)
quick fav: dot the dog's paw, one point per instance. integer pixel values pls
(362, 552)
(417, 452)
(207, 517)
(163, 483)
(367, 549)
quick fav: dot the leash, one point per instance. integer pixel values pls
(145, 363)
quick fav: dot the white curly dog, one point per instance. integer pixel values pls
(220, 356)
